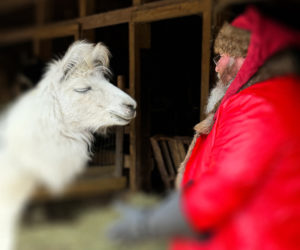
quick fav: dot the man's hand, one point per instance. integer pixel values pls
(162, 221)
(133, 225)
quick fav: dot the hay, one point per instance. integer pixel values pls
(86, 232)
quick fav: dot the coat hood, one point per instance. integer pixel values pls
(267, 38)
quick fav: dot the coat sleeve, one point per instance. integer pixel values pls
(245, 145)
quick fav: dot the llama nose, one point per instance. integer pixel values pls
(131, 107)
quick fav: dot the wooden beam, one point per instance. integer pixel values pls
(167, 9)
(9, 5)
(57, 30)
(84, 188)
(60, 29)
(106, 19)
(16, 36)
(98, 171)
(141, 13)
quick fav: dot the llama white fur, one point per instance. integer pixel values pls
(44, 136)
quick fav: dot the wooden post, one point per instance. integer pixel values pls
(86, 8)
(137, 2)
(82, 8)
(119, 156)
(134, 76)
(42, 11)
(206, 54)
(88, 35)
(42, 48)
(139, 37)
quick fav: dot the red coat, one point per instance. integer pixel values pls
(242, 181)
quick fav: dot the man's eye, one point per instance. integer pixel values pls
(82, 90)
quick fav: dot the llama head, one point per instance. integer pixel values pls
(87, 100)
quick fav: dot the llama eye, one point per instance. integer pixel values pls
(83, 90)
(97, 63)
(107, 74)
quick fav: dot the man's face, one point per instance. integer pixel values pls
(227, 68)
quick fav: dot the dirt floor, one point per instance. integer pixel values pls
(85, 231)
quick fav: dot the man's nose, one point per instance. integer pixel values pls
(219, 65)
(222, 63)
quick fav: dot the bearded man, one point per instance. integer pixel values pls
(240, 180)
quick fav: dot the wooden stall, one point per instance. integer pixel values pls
(128, 28)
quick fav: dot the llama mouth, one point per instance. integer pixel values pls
(122, 118)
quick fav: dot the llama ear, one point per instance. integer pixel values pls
(100, 55)
(86, 55)
(74, 56)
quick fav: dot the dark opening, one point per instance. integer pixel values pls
(60, 46)
(116, 39)
(170, 86)
(14, 60)
(63, 10)
(108, 5)
(171, 76)
(18, 18)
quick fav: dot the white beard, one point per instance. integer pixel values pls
(205, 126)
(216, 94)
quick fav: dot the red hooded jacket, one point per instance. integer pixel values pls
(242, 181)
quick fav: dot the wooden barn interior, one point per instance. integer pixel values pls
(161, 56)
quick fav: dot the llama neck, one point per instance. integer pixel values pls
(47, 147)
(53, 124)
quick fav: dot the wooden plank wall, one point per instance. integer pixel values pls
(138, 16)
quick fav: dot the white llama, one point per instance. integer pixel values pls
(45, 135)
